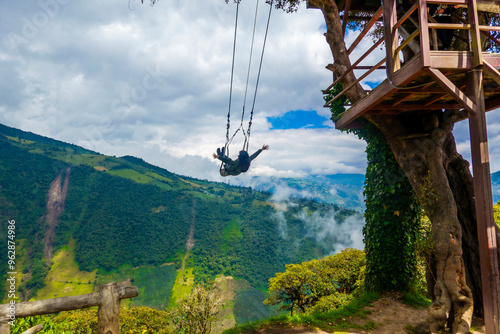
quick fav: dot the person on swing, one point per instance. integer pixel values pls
(238, 166)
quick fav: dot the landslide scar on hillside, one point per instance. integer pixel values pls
(55, 206)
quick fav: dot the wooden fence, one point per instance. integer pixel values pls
(107, 298)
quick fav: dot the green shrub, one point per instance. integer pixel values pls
(304, 285)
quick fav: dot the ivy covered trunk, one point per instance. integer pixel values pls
(441, 180)
(426, 164)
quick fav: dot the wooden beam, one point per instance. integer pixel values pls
(347, 8)
(449, 2)
(407, 41)
(327, 104)
(484, 205)
(453, 90)
(491, 71)
(403, 107)
(368, 67)
(489, 28)
(406, 15)
(414, 46)
(453, 26)
(391, 37)
(452, 60)
(353, 66)
(408, 95)
(365, 31)
(409, 72)
(434, 100)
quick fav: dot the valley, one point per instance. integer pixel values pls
(115, 219)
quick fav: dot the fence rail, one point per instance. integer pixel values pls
(107, 298)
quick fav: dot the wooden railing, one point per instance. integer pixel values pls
(425, 23)
(107, 299)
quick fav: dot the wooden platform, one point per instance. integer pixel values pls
(416, 90)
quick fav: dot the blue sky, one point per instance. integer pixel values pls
(299, 119)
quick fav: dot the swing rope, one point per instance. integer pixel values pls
(247, 136)
(226, 146)
(249, 61)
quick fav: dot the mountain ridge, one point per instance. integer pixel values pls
(125, 218)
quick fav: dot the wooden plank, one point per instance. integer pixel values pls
(409, 72)
(368, 67)
(484, 205)
(449, 2)
(489, 28)
(365, 31)
(424, 33)
(346, 15)
(434, 100)
(353, 66)
(492, 104)
(454, 26)
(491, 71)
(414, 45)
(327, 104)
(403, 99)
(407, 40)
(406, 15)
(453, 90)
(451, 60)
(492, 58)
(415, 106)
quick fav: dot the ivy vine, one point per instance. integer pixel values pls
(392, 215)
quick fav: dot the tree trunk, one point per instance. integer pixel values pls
(426, 164)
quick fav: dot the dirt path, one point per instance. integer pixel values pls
(190, 240)
(390, 315)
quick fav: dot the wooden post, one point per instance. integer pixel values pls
(424, 33)
(4, 327)
(108, 316)
(484, 203)
(391, 37)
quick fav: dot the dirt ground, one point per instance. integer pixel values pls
(390, 315)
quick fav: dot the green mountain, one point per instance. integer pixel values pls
(79, 218)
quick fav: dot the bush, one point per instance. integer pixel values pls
(307, 284)
(332, 302)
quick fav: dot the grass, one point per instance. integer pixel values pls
(335, 320)
(183, 285)
(132, 175)
(65, 278)
(416, 300)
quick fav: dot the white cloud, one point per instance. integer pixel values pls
(153, 82)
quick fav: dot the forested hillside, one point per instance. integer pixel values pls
(125, 218)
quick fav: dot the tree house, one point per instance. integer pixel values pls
(427, 79)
